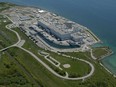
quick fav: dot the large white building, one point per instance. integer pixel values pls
(66, 34)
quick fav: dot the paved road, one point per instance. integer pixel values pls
(91, 65)
(44, 64)
(19, 39)
(92, 56)
(63, 77)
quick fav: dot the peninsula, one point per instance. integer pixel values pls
(41, 49)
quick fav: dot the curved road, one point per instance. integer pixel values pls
(45, 65)
(19, 39)
(92, 56)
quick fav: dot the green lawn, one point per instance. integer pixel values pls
(101, 77)
(4, 6)
(7, 37)
(37, 74)
(77, 67)
(11, 74)
(98, 52)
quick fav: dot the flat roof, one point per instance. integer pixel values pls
(61, 31)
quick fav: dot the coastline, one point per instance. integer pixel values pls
(79, 24)
(107, 55)
(96, 38)
(105, 67)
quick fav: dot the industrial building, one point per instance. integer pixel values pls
(60, 34)
(53, 27)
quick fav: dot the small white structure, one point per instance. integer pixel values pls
(41, 11)
(66, 66)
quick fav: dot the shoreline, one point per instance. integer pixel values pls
(77, 23)
(97, 40)
(93, 35)
(105, 67)
(108, 70)
(106, 55)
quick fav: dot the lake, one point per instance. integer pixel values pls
(97, 15)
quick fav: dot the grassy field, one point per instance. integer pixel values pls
(98, 52)
(39, 73)
(77, 67)
(29, 72)
(4, 6)
(7, 37)
(11, 74)
(101, 77)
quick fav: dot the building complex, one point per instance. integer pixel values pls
(38, 24)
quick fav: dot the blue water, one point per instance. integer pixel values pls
(98, 15)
